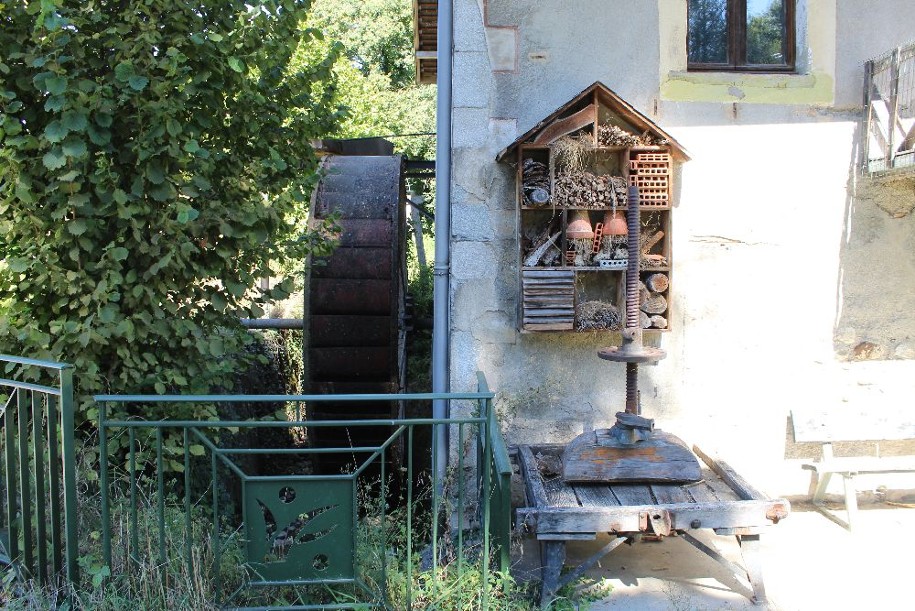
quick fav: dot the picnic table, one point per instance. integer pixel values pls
(827, 427)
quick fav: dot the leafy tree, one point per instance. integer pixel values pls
(376, 74)
(376, 34)
(154, 162)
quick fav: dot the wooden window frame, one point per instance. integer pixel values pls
(737, 42)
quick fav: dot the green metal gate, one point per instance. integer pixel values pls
(38, 532)
(312, 540)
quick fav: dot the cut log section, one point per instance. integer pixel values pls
(655, 304)
(658, 322)
(657, 283)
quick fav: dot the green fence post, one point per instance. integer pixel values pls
(68, 456)
(103, 483)
(9, 442)
(25, 484)
(41, 514)
(487, 496)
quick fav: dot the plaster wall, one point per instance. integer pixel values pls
(786, 262)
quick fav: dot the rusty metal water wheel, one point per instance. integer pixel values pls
(354, 337)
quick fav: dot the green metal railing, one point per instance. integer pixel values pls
(38, 523)
(335, 538)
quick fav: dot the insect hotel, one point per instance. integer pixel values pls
(595, 195)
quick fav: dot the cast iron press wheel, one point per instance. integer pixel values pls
(354, 332)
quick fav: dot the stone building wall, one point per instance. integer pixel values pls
(792, 275)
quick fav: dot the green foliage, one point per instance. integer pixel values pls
(376, 72)
(377, 35)
(154, 162)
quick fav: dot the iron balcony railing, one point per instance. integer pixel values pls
(335, 538)
(889, 100)
(38, 533)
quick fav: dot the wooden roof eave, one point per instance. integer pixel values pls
(606, 96)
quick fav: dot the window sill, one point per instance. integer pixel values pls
(747, 87)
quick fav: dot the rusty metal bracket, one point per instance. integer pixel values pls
(655, 522)
(777, 512)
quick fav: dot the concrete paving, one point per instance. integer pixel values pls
(809, 562)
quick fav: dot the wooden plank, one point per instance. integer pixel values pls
(670, 493)
(864, 464)
(819, 425)
(547, 273)
(595, 495)
(549, 312)
(722, 490)
(558, 295)
(623, 519)
(733, 479)
(564, 296)
(546, 323)
(547, 281)
(531, 474)
(548, 327)
(559, 494)
(700, 491)
(545, 300)
(567, 537)
(632, 494)
(560, 128)
(547, 288)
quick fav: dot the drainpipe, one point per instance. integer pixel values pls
(441, 311)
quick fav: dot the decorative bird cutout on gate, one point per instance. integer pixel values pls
(281, 542)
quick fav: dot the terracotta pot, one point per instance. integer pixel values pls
(615, 223)
(579, 226)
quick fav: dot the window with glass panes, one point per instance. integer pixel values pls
(744, 35)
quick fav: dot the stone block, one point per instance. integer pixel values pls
(472, 260)
(494, 327)
(471, 71)
(471, 223)
(502, 45)
(470, 299)
(904, 351)
(473, 171)
(471, 128)
(503, 132)
(464, 352)
(468, 26)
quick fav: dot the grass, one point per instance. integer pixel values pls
(139, 578)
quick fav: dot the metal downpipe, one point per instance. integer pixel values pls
(441, 311)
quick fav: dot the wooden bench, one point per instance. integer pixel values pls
(835, 426)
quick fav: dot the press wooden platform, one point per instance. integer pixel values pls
(722, 501)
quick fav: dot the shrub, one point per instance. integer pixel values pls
(154, 162)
